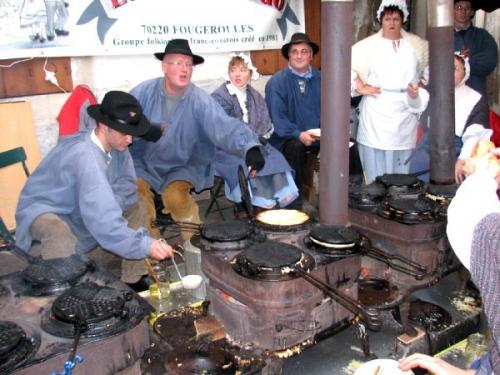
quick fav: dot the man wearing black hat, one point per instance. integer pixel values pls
(194, 127)
(475, 43)
(83, 194)
(293, 99)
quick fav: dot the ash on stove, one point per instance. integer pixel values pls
(429, 316)
(189, 354)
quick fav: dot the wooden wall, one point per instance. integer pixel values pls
(29, 78)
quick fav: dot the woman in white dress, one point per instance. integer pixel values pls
(387, 67)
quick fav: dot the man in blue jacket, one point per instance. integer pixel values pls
(82, 197)
(194, 126)
(475, 43)
(293, 99)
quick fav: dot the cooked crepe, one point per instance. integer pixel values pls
(282, 217)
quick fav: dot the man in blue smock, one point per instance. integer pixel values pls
(475, 43)
(194, 126)
(82, 197)
(293, 99)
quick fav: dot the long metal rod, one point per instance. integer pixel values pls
(370, 315)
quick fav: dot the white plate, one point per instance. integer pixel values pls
(315, 132)
(387, 367)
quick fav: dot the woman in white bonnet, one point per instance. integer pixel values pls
(471, 125)
(387, 67)
(273, 185)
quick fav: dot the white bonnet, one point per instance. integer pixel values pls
(248, 61)
(466, 67)
(401, 4)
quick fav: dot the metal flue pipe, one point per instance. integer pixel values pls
(336, 42)
(442, 86)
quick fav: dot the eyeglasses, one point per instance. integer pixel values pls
(463, 7)
(180, 64)
(303, 51)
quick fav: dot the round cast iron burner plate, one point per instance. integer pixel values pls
(375, 292)
(104, 328)
(233, 230)
(48, 272)
(411, 205)
(17, 345)
(10, 337)
(271, 254)
(375, 190)
(108, 311)
(334, 236)
(89, 303)
(269, 260)
(327, 254)
(397, 179)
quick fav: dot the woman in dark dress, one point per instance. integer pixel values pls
(274, 185)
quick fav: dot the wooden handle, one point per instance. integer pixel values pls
(152, 273)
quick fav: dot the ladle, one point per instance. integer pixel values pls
(188, 281)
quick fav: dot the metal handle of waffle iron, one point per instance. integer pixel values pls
(370, 315)
(410, 268)
(79, 326)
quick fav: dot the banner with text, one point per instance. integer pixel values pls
(36, 28)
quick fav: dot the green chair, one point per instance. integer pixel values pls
(10, 157)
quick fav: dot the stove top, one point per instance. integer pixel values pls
(18, 344)
(35, 320)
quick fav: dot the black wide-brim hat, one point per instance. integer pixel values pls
(180, 46)
(121, 112)
(296, 39)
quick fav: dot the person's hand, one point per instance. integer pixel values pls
(254, 160)
(160, 250)
(364, 89)
(464, 51)
(307, 138)
(434, 365)
(459, 171)
(412, 90)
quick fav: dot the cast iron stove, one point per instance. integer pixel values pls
(38, 321)
(277, 311)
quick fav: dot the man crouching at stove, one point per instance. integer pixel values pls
(82, 197)
(194, 127)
